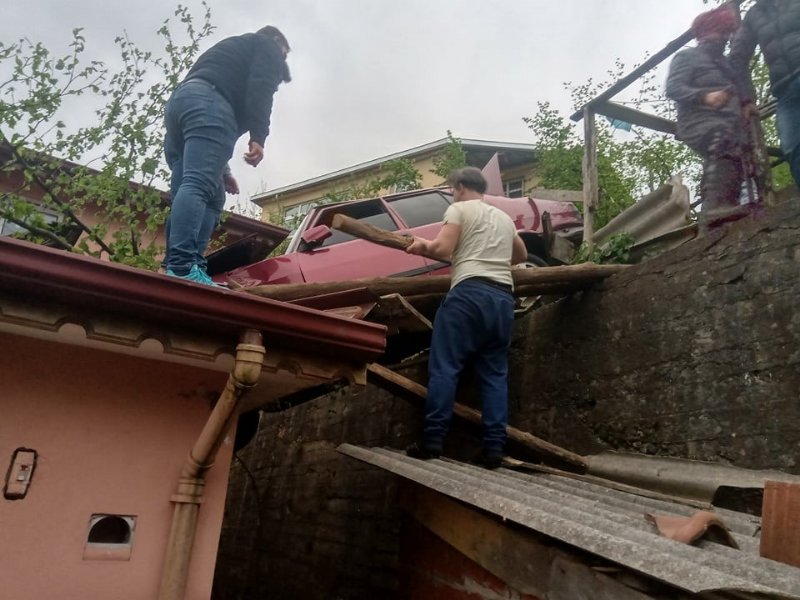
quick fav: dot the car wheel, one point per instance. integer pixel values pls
(534, 260)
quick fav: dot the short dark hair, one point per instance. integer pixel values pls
(470, 177)
(275, 34)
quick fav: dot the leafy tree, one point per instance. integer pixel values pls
(452, 157)
(399, 175)
(124, 139)
(628, 169)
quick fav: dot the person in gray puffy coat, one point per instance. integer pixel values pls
(775, 26)
(710, 121)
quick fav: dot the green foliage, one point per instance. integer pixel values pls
(617, 250)
(124, 138)
(275, 217)
(628, 168)
(451, 157)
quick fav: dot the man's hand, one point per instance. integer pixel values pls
(750, 110)
(418, 247)
(255, 154)
(230, 183)
(717, 99)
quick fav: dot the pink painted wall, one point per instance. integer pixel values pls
(112, 432)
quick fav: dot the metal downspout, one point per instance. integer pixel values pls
(189, 495)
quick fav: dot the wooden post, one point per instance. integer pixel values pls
(591, 185)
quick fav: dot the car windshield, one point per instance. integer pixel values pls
(371, 212)
(422, 209)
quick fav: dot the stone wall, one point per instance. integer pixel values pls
(320, 526)
(695, 354)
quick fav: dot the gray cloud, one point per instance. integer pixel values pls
(372, 77)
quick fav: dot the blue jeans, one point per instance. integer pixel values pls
(789, 125)
(474, 322)
(201, 133)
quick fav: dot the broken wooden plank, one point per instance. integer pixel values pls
(619, 112)
(370, 233)
(398, 314)
(416, 393)
(579, 275)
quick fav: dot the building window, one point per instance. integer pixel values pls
(513, 188)
(292, 215)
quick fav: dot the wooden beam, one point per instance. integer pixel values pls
(612, 110)
(368, 232)
(397, 313)
(646, 66)
(522, 559)
(517, 439)
(566, 277)
(591, 178)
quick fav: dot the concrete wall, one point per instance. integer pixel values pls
(112, 433)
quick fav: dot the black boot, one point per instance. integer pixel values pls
(492, 459)
(422, 451)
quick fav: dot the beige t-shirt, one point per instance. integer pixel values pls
(486, 242)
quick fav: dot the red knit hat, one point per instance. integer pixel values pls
(722, 20)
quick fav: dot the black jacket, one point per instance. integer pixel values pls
(246, 70)
(775, 26)
(695, 72)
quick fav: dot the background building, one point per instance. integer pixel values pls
(293, 201)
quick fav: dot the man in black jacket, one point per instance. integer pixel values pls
(228, 92)
(710, 120)
(775, 26)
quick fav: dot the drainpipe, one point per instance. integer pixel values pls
(189, 495)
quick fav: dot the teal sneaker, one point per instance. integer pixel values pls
(196, 275)
(206, 278)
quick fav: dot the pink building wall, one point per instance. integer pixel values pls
(112, 432)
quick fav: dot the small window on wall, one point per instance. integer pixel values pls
(513, 188)
(110, 537)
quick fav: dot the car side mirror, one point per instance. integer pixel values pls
(316, 235)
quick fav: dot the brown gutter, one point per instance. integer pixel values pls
(114, 288)
(189, 495)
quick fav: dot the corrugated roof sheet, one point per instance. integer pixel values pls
(603, 521)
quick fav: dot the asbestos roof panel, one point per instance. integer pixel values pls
(603, 521)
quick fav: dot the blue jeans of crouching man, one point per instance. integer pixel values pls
(201, 133)
(789, 125)
(474, 322)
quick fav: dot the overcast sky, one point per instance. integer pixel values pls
(373, 77)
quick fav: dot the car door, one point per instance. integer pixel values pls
(342, 256)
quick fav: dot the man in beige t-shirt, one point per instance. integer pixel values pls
(475, 319)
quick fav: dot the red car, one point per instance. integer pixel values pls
(318, 253)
